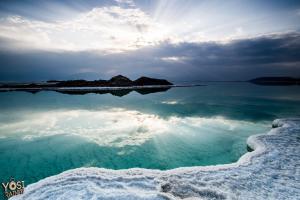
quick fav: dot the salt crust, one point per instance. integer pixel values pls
(271, 171)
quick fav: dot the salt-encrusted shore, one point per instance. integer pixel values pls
(271, 171)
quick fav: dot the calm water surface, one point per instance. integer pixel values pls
(47, 133)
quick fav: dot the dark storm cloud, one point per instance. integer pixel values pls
(273, 55)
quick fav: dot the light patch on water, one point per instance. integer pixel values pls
(170, 102)
(113, 127)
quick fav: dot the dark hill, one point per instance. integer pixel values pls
(120, 81)
(150, 81)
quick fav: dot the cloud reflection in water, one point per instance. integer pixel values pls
(113, 127)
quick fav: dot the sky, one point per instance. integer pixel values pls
(180, 40)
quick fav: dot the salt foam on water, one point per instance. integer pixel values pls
(271, 171)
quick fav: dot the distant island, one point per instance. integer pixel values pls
(276, 81)
(117, 85)
(116, 81)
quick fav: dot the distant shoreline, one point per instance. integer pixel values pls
(116, 91)
(8, 89)
(116, 81)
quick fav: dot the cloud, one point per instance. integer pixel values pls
(121, 25)
(104, 29)
(269, 55)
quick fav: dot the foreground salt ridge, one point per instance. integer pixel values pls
(272, 171)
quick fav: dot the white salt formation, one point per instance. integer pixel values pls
(271, 171)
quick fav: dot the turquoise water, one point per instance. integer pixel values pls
(46, 133)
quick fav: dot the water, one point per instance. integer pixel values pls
(46, 133)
